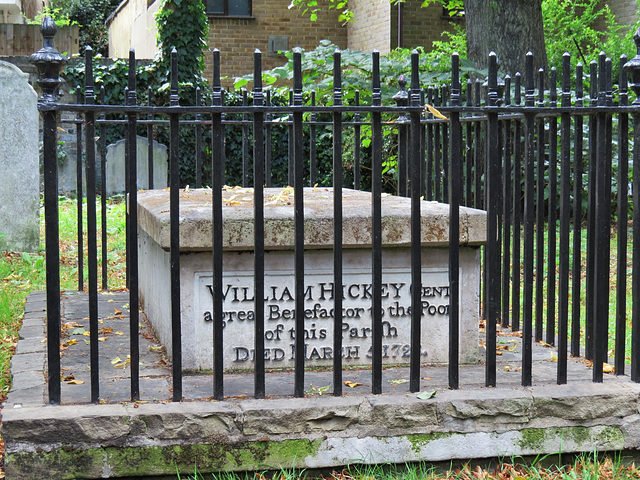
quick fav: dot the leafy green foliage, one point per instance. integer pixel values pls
(584, 28)
(183, 25)
(58, 14)
(453, 6)
(441, 50)
(357, 71)
(90, 15)
(314, 7)
(112, 75)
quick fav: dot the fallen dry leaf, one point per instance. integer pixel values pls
(510, 347)
(70, 325)
(75, 382)
(510, 334)
(435, 112)
(352, 384)
(398, 381)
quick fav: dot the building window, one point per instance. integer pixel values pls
(229, 8)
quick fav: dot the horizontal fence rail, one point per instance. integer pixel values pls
(550, 167)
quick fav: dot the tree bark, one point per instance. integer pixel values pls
(31, 8)
(511, 28)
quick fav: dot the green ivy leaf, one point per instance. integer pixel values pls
(426, 395)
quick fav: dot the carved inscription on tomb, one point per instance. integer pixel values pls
(319, 313)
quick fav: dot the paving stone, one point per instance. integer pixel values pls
(27, 362)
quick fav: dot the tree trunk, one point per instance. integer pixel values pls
(31, 8)
(511, 28)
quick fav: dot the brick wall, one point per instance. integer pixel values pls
(237, 39)
(422, 26)
(371, 29)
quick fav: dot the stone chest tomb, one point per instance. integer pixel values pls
(196, 277)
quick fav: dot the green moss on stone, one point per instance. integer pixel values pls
(419, 440)
(532, 438)
(288, 452)
(612, 436)
(131, 461)
(63, 464)
(588, 438)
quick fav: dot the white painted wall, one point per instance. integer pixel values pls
(133, 25)
(11, 11)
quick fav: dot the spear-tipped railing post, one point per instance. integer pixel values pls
(402, 100)
(49, 63)
(632, 67)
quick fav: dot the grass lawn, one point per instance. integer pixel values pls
(23, 273)
(583, 467)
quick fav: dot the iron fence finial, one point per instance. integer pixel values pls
(49, 62)
(494, 93)
(402, 97)
(633, 68)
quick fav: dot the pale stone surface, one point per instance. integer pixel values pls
(237, 214)
(344, 430)
(196, 299)
(115, 171)
(618, 405)
(19, 159)
(300, 415)
(404, 414)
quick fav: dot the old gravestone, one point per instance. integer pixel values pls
(115, 172)
(19, 183)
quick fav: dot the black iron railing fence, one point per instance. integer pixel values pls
(520, 152)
